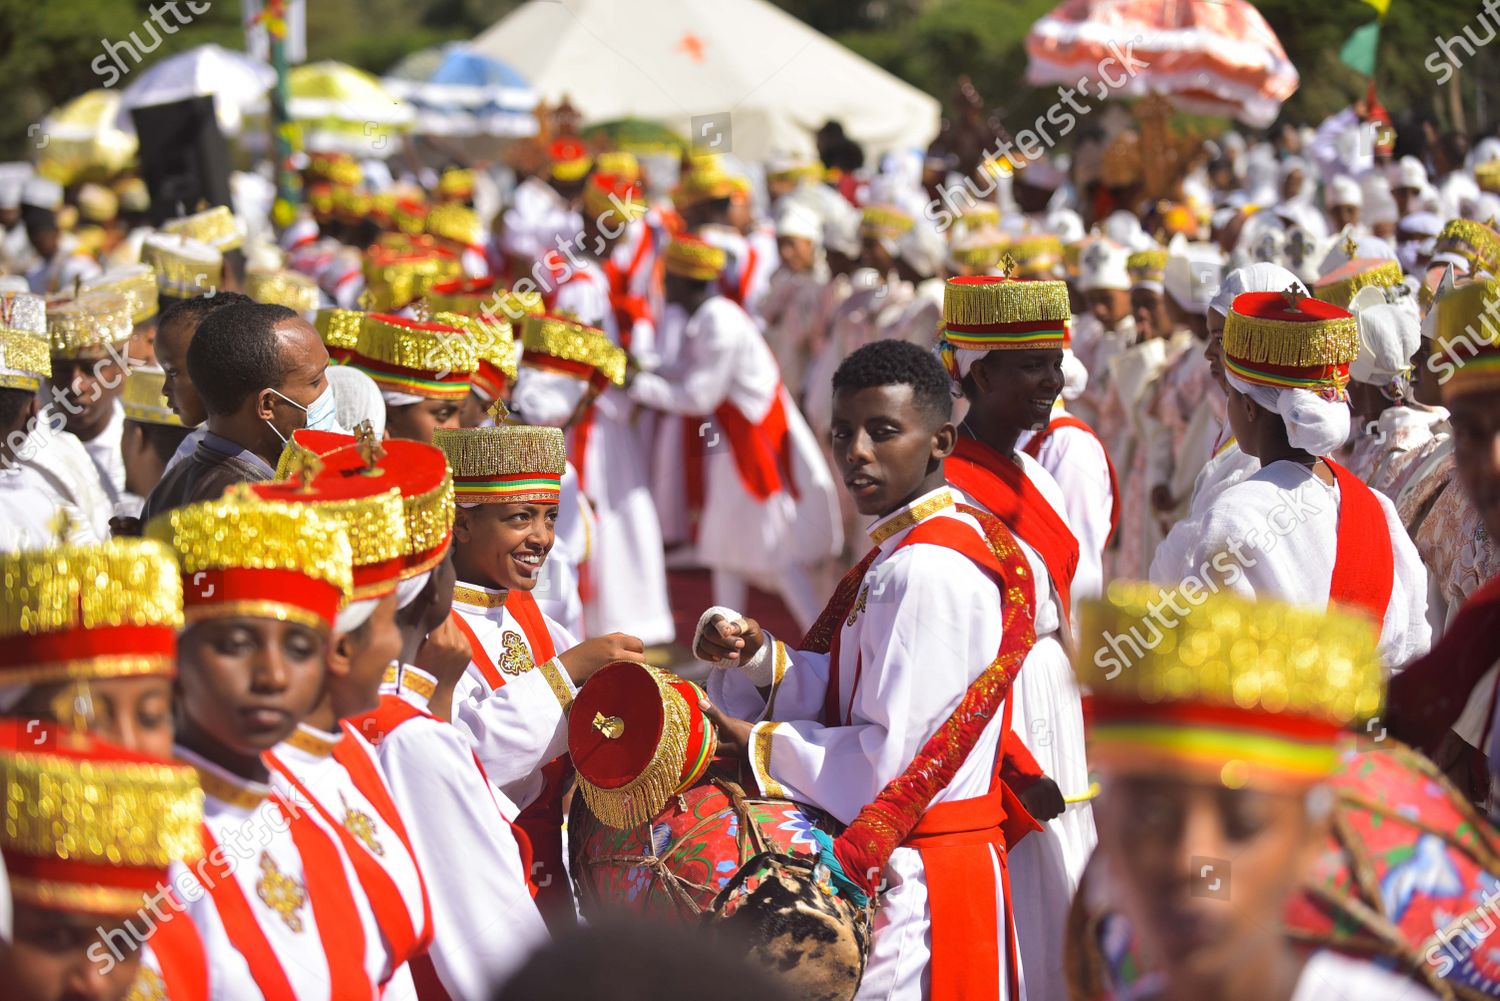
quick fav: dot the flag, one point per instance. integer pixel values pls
(1382, 6)
(1358, 52)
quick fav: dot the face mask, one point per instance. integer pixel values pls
(322, 413)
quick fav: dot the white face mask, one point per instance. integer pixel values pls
(322, 413)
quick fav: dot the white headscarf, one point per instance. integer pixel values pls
(357, 398)
(1262, 277)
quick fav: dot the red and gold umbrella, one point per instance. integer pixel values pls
(1218, 58)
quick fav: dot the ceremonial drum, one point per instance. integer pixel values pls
(1410, 877)
(663, 830)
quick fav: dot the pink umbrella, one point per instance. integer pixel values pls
(1218, 58)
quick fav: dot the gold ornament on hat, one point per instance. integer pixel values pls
(562, 337)
(87, 323)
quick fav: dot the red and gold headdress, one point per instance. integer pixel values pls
(612, 200)
(637, 738)
(498, 351)
(568, 159)
(1466, 339)
(562, 344)
(504, 464)
(91, 828)
(400, 273)
(288, 288)
(339, 329)
(1340, 284)
(103, 610)
(418, 470)
(1245, 692)
(1287, 341)
(244, 556)
(413, 358)
(983, 313)
(689, 257)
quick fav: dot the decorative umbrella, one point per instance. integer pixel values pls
(237, 82)
(343, 109)
(81, 141)
(636, 135)
(468, 94)
(1219, 58)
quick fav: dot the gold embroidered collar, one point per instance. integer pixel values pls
(218, 784)
(901, 520)
(314, 743)
(479, 597)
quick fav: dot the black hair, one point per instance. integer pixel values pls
(235, 355)
(899, 363)
(13, 403)
(192, 311)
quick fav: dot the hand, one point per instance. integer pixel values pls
(1043, 799)
(726, 642)
(734, 734)
(445, 653)
(1161, 498)
(587, 657)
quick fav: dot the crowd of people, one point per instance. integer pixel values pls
(1108, 521)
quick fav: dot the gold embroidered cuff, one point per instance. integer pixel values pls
(781, 661)
(761, 738)
(559, 682)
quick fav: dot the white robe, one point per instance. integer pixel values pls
(930, 626)
(725, 360)
(28, 510)
(1228, 466)
(537, 220)
(104, 450)
(1275, 535)
(71, 477)
(485, 921)
(308, 755)
(259, 851)
(1077, 462)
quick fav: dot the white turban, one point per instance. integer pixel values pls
(354, 614)
(407, 590)
(1344, 190)
(799, 220)
(1388, 337)
(1101, 265)
(544, 397)
(1193, 274)
(357, 398)
(1075, 376)
(1260, 277)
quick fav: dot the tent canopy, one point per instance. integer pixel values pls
(671, 61)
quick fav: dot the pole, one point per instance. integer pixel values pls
(288, 184)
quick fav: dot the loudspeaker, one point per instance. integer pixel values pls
(184, 160)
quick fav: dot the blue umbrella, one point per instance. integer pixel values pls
(470, 94)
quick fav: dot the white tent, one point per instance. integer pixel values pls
(672, 61)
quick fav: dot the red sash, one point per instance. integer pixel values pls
(1364, 565)
(762, 451)
(1069, 421)
(339, 926)
(179, 954)
(1005, 491)
(541, 820)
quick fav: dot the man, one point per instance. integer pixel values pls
(175, 328)
(906, 633)
(768, 510)
(107, 667)
(1108, 327)
(423, 371)
(260, 372)
(89, 334)
(524, 668)
(77, 897)
(28, 502)
(276, 901)
(1227, 762)
(1454, 685)
(1003, 340)
(151, 436)
(1303, 528)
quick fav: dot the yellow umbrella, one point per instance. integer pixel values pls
(80, 141)
(344, 109)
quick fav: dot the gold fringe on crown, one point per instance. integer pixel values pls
(216, 227)
(455, 222)
(136, 283)
(241, 531)
(695, 259)
(494, 340)
(1488, 176)
(643, 797)
(339, 328)
(89, 321)
(980, 214)
(1474, 241)
(283, 288)
(572, 341)
(884, 222)
(350, 204)
(449, 349)
(429, 524)
(1466, 339)
(1386, 274)
(1147, 265)
(376, 527)
(980, 257)
(456, 183)
(25, 359)
(1231, 652)
(143, 398)
(503, 450)
(1005, 302)
(122, 813)
(391, 285)
(598, 203)
(1293, 343)
(705, 180)
(188, 269)
(122, 582)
